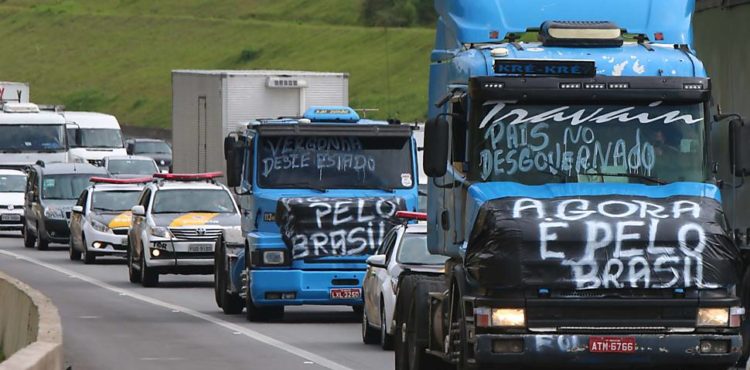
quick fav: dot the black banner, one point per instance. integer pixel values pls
(612, 242)
(319, 227)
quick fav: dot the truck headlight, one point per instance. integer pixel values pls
(500, 317)
(98, 226)
(273, 257)
(161, 232)
(715, 317)
(54, 213)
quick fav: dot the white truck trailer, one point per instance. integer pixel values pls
(17, 92)
(209, 104)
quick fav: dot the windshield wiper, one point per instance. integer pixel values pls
(654, 180)
(302, 186)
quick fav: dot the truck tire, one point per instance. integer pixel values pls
(29, 240)
(230, 303)
(262, 314)
(745, 328)
(411, 334)
(369, 334)
(73, 253)
(148, 278)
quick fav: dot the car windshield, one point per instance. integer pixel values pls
(65, 186)
(12, 183)
(335, 162)
(131, 166)
(115, 201)
(414, 251)
(94, 138)
(627, 143)
(193, 200)
(152, 147)
(31, 138)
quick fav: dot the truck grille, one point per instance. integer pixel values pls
(196, 234)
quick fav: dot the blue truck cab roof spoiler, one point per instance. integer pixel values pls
(489, 21)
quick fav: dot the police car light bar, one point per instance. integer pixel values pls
(107, 180)
(421, 216)
(188, 176)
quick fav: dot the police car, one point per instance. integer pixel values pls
(175, 225)
(101, 218)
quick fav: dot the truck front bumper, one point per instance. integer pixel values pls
(663, 351)
(309, 287)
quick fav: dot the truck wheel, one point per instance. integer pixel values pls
(133, 275)
(412, 324)
(28, 239)
(745, 328)
(88, 257)
(230, 303)
(73, 253)
(262, 314)
(386, 340)
(148, 277)
(369, 335)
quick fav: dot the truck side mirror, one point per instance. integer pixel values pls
(435, 154)
(739, 147)
(234, 155)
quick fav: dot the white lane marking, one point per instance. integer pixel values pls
(161, 358)
(262, 338)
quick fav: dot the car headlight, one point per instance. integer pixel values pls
(273, 257)
(55, 213)
(716, 317)
(500, 317)
(98, 226)
(161, 232)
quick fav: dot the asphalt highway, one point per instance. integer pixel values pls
(109, 323)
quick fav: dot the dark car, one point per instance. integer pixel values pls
(51, 193)
(157, 149)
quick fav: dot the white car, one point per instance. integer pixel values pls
(130, 166)
(12, 188)
(93, 136)
(101, 218)
(403, 248)
(176, 224)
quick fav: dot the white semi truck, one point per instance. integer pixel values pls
(209, 104)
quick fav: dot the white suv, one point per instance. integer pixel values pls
(176, 224)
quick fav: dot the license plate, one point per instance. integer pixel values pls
(612, 344)
(346, 293)
(201, 248)
(10, 217)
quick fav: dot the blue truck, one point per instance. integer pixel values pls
(318, 193)
(572, 186)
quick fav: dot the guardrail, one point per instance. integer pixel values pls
(30, 328)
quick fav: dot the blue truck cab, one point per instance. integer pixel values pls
(318, 194)
(572, 185)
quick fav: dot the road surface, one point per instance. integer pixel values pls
(109, 323)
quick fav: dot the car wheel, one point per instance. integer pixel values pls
(74, 254)
(231, 304)
(88, 256)
(369, 335)
(149, 278)
(386, 340)
(42, 244)
(133, 275)
(28, 239)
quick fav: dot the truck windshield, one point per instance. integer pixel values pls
(193, 200)
(627, 143)
(94, 138)
(115, 201)
(64, 186)
(31, 138)
(12, 183)
(335, 162)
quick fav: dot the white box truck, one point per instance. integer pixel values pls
(17, 92)
(209, 104)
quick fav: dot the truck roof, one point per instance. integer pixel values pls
(486, 21)
(39, 118)
(92, 120)
(257, 72)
